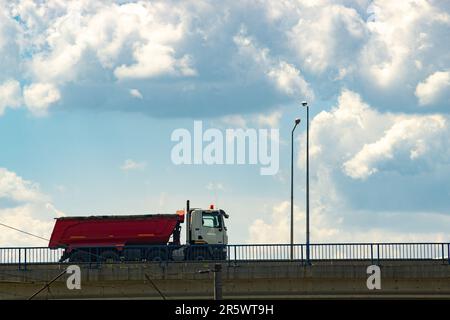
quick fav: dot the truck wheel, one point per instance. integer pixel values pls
(219, 254)
(200, 255)
(79, 256)
(157, 255)
(109, 256)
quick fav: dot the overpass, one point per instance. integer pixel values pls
(275, 280)
(415, 271)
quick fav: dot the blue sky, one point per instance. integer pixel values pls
(91, 91)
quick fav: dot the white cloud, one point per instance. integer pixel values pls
(406, 41)
(332, 220)
(136, 93)
(26, 208)
(327, 35)
(135, 40)
(357, 139)
(154, 60)
(130, 164)
(25, 218)
(39, 96)
(328, 227)
(278, 229)
(354, 141)
(16, 188)
(286, 77)
(10, 95)
(10, 34)
(434, 89)
(52, 208)
(324, 226)
(341, 132)
(380, 48)
(411, 134)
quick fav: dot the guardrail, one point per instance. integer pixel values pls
(343, 251)
(373, 252)
(29, 255)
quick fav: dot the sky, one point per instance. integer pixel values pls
(91, 91)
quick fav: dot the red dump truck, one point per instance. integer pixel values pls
(152, 237)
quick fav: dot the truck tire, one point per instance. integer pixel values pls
(79, 257)
(200, 254)
(219, 254)
(134, 254)
(159, 254)
(109, 256)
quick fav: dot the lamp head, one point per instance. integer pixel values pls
(304, 103)
(297, 121)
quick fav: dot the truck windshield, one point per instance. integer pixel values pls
(211, 220)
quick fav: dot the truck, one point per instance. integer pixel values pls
(149, 237)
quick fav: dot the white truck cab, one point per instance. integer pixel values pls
(206, 226)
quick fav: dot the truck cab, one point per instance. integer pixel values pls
(207, 227)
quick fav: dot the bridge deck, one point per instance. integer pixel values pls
(282, 279)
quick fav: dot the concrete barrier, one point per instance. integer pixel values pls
(275, 280)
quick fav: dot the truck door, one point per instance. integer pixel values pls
(213, 228)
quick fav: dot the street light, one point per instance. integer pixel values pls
(305, 104)
(297, 121)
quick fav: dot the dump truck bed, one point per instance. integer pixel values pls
(114, 230)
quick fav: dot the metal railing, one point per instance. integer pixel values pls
(342, 251)
(373, 252)
(29, 255)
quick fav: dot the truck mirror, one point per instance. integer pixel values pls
(224, 213)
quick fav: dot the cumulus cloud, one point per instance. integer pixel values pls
(10, 95)
(327, 206)
(327, 35)
(154, 60)
(220, 62)
(412, 134)
(332, 219)
(327, 228)
(405, 44)
(195, 59)
(378, 48)
(16, 188)
(24, 206)
(359, 140)
(76, 45)
(373, 178)
(285, 76)
(39, 96)
(435, 89)
(24, 218)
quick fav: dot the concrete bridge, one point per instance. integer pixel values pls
(243, 280)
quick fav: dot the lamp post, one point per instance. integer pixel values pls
(305, 104)
(297, 121)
